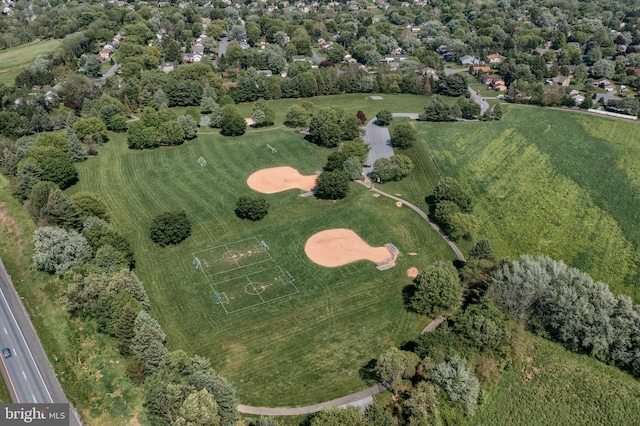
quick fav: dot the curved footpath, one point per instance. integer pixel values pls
(363, 397)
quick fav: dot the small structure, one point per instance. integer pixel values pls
(496, 58)
(469, 60)
(166, 66)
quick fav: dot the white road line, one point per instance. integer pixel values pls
(27, 346)
(34, 398)
(5, 330)
(24, 375)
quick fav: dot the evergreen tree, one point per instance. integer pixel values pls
(76, 151)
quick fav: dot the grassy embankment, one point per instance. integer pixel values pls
(14, 60)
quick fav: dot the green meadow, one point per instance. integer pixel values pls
(306, 347)
(14, 60)
(547, 182)
(548, 385)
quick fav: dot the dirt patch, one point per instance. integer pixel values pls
(412, 272)
(398, 203)
(376, 195)
(249, 121)
(338, 247)
(413, 253)
(278, 179)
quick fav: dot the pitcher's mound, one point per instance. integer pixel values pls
(337, 247)
(412, 272)
(277, 179)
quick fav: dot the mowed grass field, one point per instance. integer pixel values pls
(303, 348)
(14, 60)
(548, 182)
(548, 385)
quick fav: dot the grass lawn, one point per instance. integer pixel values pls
(351, 103)
(548, 385)
(14, 60)
(305, 347)
(548, 182)
(5, 397)
(90, 370)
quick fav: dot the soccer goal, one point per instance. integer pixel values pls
(197, 263)
(202, 162)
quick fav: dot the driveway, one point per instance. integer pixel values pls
(484, 106)
(316, 58)
(222, 46)
(379, 141)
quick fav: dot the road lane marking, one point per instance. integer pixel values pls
(34, 398)
(5, 330)
(24, 375)
(25, 344)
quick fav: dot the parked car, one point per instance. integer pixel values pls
(6, 352)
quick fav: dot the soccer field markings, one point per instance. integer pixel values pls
(250, 247)
(248, 287)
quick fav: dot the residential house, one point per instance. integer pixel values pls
(106, 52)
(197, 49)
(488, 79)
(495, 58)
(166, 66)
(429, 72)
(191, 58)
(478, 69)
(387, 59)
(266, 73)
(402, 57)
(499, 85)
(574, 44)
(561, 80)
(296, 58)
(353, 5)
(469, 60)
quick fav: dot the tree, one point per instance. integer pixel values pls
(395, 365)
(54, 166)
(350, 127)
(92, 126)
(438, 290)
(404, 136)
(389, 169)
(363, 118)
(90, 204)
(437, 110)
(587, 103)
(349, 415)
(483, 326)
(251, 208)
(335, 161)
(384, 118)
(355, 148)
(215, 117)
(603, 68)
(307, 84)
(170, 227)
(231, 122)
(332, 185)
(207, 104)
(148, 342)
(189, 126)
(457, 379)
(58, 250)
(450, 190)
(296, 116)
(423, 405)
(482, 249)
(198, 409)
(171, 133)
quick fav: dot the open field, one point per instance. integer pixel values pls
(14, 60)
(547, 182)
(89, 367)
(305, 347)
(548, 385)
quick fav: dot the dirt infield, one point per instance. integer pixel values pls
(337, 247)
(412, 272)
(278, 179)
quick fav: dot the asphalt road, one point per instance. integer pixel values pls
(111, 71)
(379, 141)
(27, 372)
(484, 105)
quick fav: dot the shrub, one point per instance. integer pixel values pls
(251, 208)
(384, 118)
(170, 227)
(332, 185)
(404, 136)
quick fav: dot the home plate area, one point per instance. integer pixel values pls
(247, 291)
